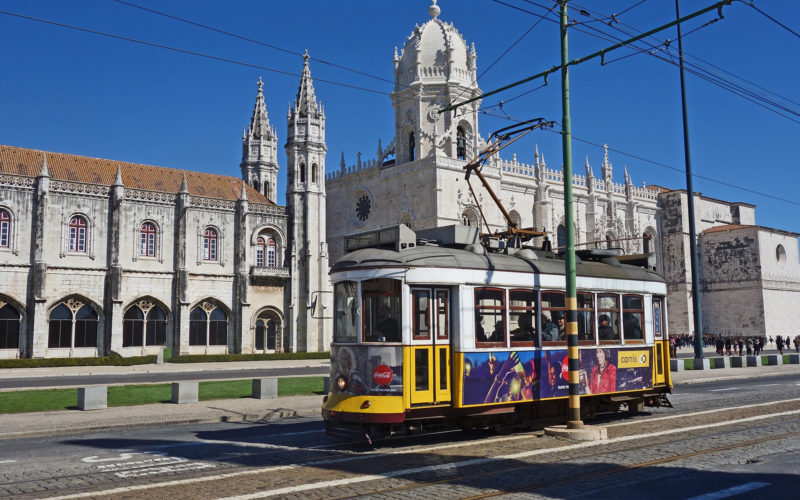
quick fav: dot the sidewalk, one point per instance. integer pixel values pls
(254, 410)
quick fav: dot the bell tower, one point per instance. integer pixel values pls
(310, 299)
(260, 150)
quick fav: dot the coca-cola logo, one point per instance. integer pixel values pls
(382, 375)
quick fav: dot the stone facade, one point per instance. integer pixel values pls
(99, 256)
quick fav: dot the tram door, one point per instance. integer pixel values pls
(662, 347)
(430, 354)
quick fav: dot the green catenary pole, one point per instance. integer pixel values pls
(574, 413)
(697, 310)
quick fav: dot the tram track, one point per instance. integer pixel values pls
(573, 478)
(316, 475)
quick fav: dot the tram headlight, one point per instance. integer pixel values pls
(341, 383)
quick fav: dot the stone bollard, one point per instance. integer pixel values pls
(721, 362)
(794, 359)
(675, 365)
(774, 359)
(93, 398)
(265, 388)
(701, 364)
(160, 357)
(736, 361)
(753, 360)
(184, 392)
(326, 385)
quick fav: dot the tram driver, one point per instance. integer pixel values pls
(386, 328)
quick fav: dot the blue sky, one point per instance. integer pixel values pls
(74, 92)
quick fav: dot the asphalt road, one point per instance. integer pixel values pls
(150, 378)
(727, 439)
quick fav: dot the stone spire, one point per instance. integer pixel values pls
(260, 150)
(259, 122)
(606, 168)
(44, 172)
(434, 10)
(184, 185)
(118, 180)
(306, 102)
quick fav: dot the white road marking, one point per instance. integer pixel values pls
(730, 492)
(721, 390)
(403, 472)
(8, 461)
(698, 413)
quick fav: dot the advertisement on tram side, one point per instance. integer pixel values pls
(500, 377)
(368, 370)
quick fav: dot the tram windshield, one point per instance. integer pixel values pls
(381, 310)
(345, 297)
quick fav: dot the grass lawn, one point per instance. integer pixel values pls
(129, 395)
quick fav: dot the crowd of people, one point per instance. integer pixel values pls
(736, 346)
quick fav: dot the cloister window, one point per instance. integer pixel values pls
(646, 243)
(266, 332)
(73, 324)
(302, 173)
(561, 236)
(314, 173)
(5, 229)
(9, 326)
(208, 325)
(77, 234)
(147, 240)
(412, 144)
(210, 239)
(144, 324)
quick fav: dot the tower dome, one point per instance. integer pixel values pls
(435, 68)
(435, 52)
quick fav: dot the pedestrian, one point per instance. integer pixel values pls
(797, 344)
(749, 344)
(741, 346)
(728, 346)
(779, 343)
(720, 345)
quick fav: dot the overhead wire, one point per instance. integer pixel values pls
(185, 51)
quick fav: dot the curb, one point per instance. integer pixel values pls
(252, 418)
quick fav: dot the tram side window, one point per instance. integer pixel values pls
(381, 310)
(608, 318)
(553, 321)
(443, 314)
(421, 312)
(633, 317)
(522, 314)
(585, 317)
(490, 314)
(345, 298)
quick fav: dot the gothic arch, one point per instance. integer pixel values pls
(464, 139)
(652, 242)
(153, 330)
(147, 298)
(516, 218)
(12, 330)
(267, 327)
(470, 217)
(63, 329)
(13, 227)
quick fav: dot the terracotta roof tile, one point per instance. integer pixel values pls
(726, 227)
(28, 162)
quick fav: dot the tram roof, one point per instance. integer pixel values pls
(477, 257)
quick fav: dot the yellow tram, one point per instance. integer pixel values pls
(437, 328)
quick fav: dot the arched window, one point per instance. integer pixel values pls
(266, 332)
(461, 144)
(257, 185)
(208, 325)
(73, 324)
(147, 240)
(144, 324)
(271, 253)
(470, 218)
(411, 147)
(302, 173)
(210, 238)
(646, 243)
(9, 326)
(5, 229)
(561, 236)
(314, 173)
(77, 234)
(260, 251)
(268, 190)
